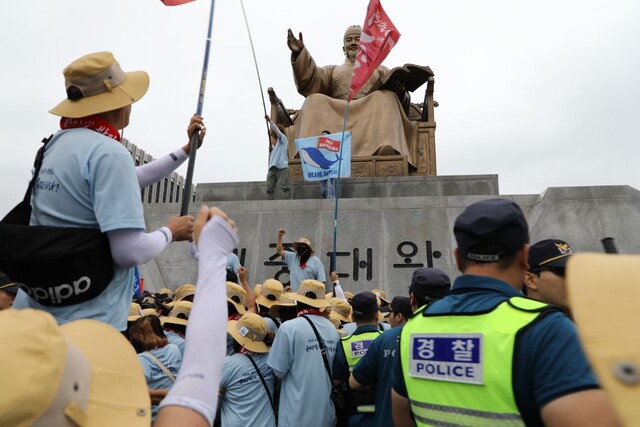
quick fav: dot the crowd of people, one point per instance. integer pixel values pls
(475, 351)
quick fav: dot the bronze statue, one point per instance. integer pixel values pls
(377, 114)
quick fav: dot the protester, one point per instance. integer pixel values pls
(545, 279)
(89, 180)
(296, 358)
(8, 291)
(445, 380)
(175, 324)
(361, 403)
(278, 174)
(160, 359)
(340, 314)
(267, 295)
(302, 264)
(247, 385)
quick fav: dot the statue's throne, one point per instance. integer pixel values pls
(423, 152)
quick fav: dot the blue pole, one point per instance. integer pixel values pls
(186, 193)
(332, 266)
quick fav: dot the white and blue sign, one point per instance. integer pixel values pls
(320, 156)
(359, 348)
(447, 357)
(137, 289)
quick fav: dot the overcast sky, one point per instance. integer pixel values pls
(543, 93)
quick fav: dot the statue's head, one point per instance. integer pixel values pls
(351, 40)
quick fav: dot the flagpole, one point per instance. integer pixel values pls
(332, 265)
(186, 192)
(255, 61)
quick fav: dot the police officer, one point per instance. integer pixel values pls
(544, 281)
(486, 355)
(376, 367)
(361, 404)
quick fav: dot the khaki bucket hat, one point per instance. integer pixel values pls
(81, 373)
(268, 294)
(249, 331)
(309, 288)
(95, 83)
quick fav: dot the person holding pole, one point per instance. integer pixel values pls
(88, 179)
(278, 175)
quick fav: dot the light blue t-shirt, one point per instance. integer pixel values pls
(176, 339)
(313, 269)
(89, 180)
(278, 158)
(306, 388)
(171, 358)
(245, 402)
(271, 325)
(233, 262)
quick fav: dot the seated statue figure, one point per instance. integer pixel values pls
(377, 114)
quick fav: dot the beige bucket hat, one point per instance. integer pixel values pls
(302, 241)
(249, 331)
(311, 292)
(268, 294)
(95, 83)
(81, 373)
(237, 296)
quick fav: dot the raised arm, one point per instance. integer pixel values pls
(190, 401)
(154, 171)
(279, 247)
(250, 297)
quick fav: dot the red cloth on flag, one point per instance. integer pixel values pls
(378, 37)
(175, 2)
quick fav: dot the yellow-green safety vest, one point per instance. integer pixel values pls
(458, 367)
(355, 347)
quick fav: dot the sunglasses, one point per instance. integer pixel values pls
(558, 271)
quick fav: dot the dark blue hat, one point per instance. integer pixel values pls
(364, 303)
(429, 284)
(491, 229)
(401, 305)
(7, 284)
(550, 252)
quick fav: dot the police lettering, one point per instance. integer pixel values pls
(445, 370)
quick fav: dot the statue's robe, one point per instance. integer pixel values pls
(376, 119)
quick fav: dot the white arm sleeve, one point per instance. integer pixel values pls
(193, 251)
(274, 128)
(203, 361)
(132, 247)
(154, 171)
(338, 289)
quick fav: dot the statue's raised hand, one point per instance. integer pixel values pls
(295, 45)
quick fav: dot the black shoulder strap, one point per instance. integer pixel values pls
(323, 348)
(264, 383)
(37, 164)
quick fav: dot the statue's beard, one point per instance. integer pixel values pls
(351, 54)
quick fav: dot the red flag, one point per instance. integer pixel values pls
(378, 37)
(175, 2)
